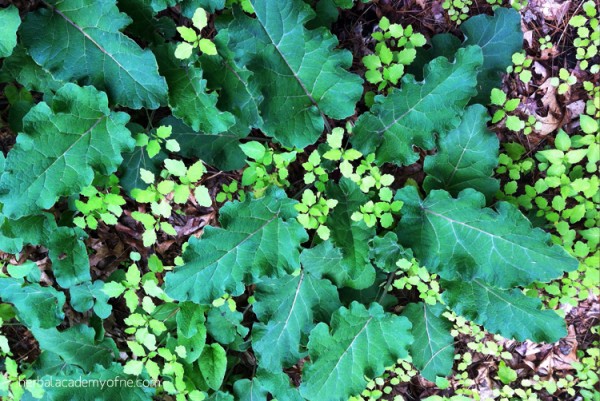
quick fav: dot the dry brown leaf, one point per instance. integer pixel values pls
(549, 124)
(485, 384)
(551, 10)
(549, 99)
(553, 118)
(550, 53)
(539, 69)
(528, 37)
(561, 357)
(422, 3)
(574, 110)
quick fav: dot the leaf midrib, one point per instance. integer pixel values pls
(422, 99)
(248, 236)
(452, 221)
(429, 341)
(275, 45)
(92, 40)
(62, 155)
(345, 352)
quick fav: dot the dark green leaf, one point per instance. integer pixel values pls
(8, 30)
(36, 306)
(77, 346)
(286, 308)
(358, 342)
(411, 115)
(461, 239)
(466, 157)
(188, 97)
(299, 72)
(352, 238)
(509, 313)
(276, 384)
(432, 351)
(238, 92)
(326, 260)
(21, 67)
(257, 237)
(386, 251)
(499, 37)
(82, 42)
(87, 295)
(61, 145)
(225, 325)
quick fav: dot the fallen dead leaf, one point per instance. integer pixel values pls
(551, 10)
(540, 70)
(574, 110)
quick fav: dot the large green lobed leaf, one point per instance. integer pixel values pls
(301, 75)
(36, 230)
(351, 240)
(21, 68)
(238, 92)
(188, 96)
(432, 352)
(77, 346)
(466, 157)
(78, 40)
(36, 306)
(62, 144)
(70, 263)
(263, 383)
(509, 313)
(358, 342)
(257, 237)
(460, 239)
(286, 308)
(8, 29)
(410, 116)
(499, 36)
(328, 261)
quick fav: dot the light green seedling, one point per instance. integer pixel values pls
(396, 48)
(177, 182)
(512, 122)
(101, 205)
(545, 42)
(521, 66)
(192, 39)
(313, 211)
(564, 81)
(155, 141)
(458, 10)
(588, 35)
(265, 167)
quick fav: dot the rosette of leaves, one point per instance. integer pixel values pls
(191, 38)
(259, 294)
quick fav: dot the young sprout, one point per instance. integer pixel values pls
(521, 65)
(192, 39)
(396, 48)
(564, 81)
(458, 10)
